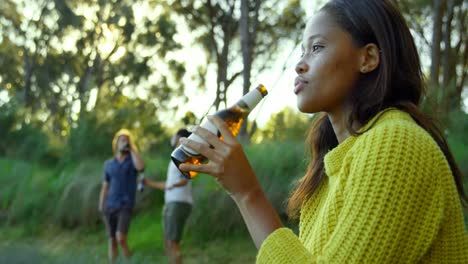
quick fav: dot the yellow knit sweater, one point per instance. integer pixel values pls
(389, 197)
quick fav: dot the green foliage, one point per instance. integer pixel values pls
(79, 195)
(67, 196)
(213, 215)
(8, 61)
(24, 193)
(84, 247)
(458, 141)
(12, 175)
(90, 139)
(279, 23)
(55, 136)
(60, 55)
(190, 119)
(286, 125)
(278, 165)
(21, 139)
(215, 26)
(146, 230)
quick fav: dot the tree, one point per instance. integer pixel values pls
(230, 29)
(448, 45)
(258, 45)
(214, 24)
(68, 58)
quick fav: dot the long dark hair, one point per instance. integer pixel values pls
(397, 82)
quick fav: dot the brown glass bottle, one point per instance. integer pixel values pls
(233, 116)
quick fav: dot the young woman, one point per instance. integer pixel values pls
(382, 185)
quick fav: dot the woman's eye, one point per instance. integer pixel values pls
(316, 48)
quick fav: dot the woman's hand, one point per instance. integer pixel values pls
(227, 161)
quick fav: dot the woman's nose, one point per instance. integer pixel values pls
(302, 67)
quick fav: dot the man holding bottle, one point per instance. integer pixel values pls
(117, 197)
(178, 204)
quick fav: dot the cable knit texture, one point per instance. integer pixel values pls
(388, 197)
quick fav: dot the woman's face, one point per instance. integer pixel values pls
(329, 67)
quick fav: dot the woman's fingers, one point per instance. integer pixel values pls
(202, 148)
(208, 136)
(201, 168)
(217, 151)
(223, 129)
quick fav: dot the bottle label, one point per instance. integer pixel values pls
(247, 102)
(252, 98)
(206, 124)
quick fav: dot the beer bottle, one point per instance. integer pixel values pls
(233, 116)
(141, 177)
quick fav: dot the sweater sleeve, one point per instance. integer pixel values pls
(283, 246)
(392, 205)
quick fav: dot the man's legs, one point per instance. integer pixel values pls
(175, 215)
(122, 240)
(110, 220)
(122, 230)
(166, 247)
(113, 250)
(173, 251)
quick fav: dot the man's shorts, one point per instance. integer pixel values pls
(117, 220)
(175, 215)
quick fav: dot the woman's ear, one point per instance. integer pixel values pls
(370, 58)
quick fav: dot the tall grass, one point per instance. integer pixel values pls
(77, 202)
(33, 196)
(25, 193)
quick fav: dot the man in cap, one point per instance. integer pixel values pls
(117, 197)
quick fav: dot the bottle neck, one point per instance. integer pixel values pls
(250, 100)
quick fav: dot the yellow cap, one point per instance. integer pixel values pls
(123, 132)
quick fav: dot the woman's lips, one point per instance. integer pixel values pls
(299, 85)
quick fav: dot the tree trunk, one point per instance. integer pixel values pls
(222, 57)
(246, 56)
(459, 51)
(248, 31)
(447, 60)
(447, 69)
(84, 84)
(436, 39)
(29, 65)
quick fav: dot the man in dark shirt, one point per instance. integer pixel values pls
(117, 196)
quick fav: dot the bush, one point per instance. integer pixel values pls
(458, 141)
(22, 139)
(25, 196)
(78, 202)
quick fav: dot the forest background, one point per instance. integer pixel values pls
(74, 72)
